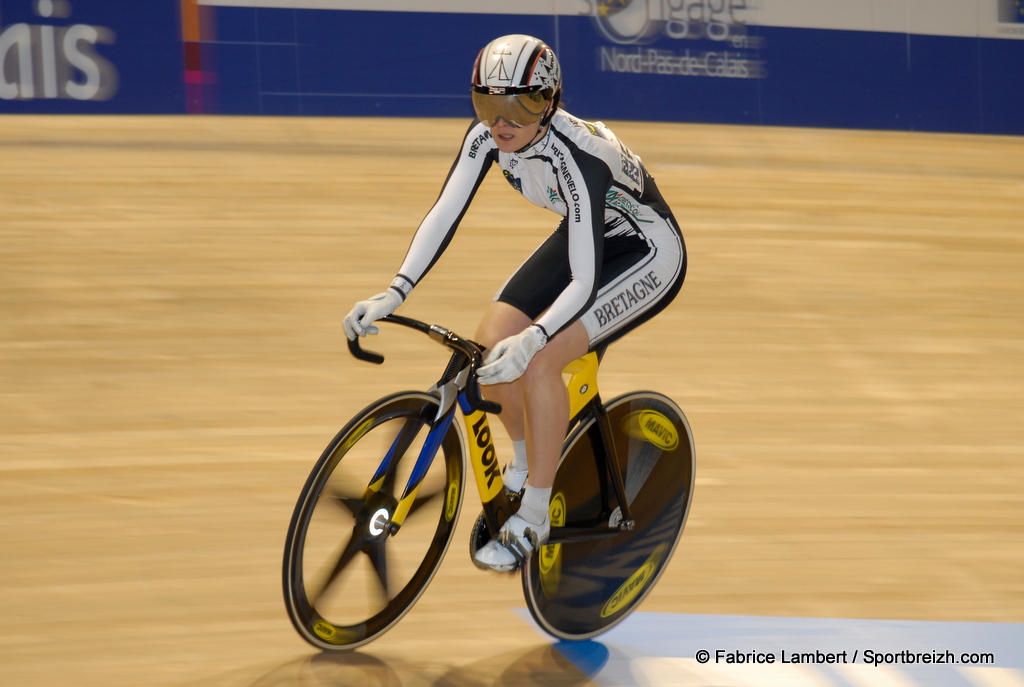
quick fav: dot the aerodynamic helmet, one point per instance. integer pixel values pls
(517, 78)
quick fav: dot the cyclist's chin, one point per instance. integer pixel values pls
(508, 143)
(510, 140)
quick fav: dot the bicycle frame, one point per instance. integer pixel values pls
(459, 381)
(584, 399)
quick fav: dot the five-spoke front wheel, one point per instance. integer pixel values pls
(361, 550)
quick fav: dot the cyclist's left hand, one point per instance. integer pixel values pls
(507, 361)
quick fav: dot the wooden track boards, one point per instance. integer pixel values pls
(848, 347)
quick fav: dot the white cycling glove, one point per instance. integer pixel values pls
(509, 358)
(359, 322)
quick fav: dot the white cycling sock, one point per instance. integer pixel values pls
(519, 463)
(535, 503)
(515, 473)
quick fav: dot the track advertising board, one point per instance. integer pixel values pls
(89, 56)
(934, 65)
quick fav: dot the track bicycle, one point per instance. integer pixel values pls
(379, 509)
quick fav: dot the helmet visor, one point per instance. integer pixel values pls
(518, 110)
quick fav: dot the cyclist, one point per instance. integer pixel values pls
(616, 259)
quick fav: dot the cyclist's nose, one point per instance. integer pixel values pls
(502, 123)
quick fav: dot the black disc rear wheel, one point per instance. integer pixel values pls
(581, 583)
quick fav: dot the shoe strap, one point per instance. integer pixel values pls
(516, 545)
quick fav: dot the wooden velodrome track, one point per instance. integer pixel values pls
(848, 347)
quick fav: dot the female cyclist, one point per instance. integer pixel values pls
(616, 259)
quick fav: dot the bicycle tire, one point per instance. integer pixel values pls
(375, 577)
(584, 585)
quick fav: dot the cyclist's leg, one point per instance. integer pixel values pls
(522, 298)
(644, 284)
(547, 402)
(535, 407)
(500, 321)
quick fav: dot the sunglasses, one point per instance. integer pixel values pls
(518, 110)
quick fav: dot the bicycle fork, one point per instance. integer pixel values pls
(482, 455)
(423, 462)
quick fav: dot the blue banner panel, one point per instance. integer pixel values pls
(838, 79)
(356, 63)
(58, 56)
(712, 68)
(1001, 74)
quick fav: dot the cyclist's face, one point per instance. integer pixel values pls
(512, 138)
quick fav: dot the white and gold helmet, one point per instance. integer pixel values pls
(516, 78)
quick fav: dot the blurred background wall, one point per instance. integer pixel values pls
(913, 65)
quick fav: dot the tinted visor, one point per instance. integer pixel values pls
(518, 110)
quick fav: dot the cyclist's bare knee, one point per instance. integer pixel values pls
(500, 321)
(567, 346)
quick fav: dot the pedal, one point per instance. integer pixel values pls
(478, 537)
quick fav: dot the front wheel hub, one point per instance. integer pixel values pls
(379, 521)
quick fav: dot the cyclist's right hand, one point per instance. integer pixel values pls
(359, 322)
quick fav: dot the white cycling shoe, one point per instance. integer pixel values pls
(515, 543)
(514, 479)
